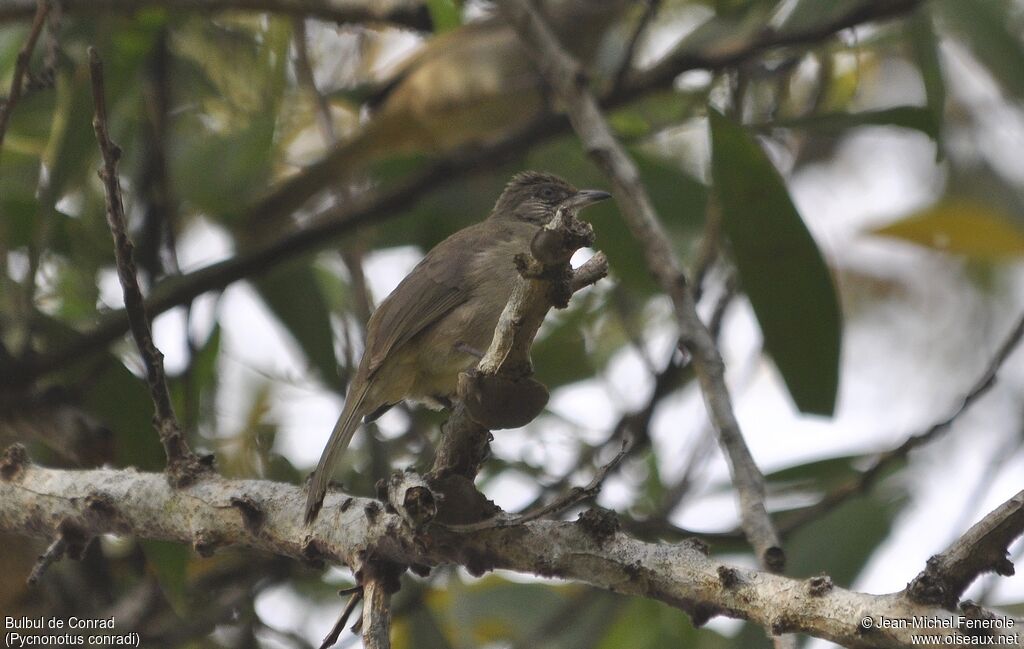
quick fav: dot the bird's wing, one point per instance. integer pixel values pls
(434, 287)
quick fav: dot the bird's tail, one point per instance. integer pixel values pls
(344, 429)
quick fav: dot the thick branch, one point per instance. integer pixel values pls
(34, 500)
(410, 13)
(566, 80)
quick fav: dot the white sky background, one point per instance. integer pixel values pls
(909, 355)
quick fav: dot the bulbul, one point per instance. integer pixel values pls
(442, 316)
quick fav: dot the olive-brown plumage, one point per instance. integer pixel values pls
(424, 333)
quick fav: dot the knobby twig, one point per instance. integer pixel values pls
(634, 425)
(331, 638)
(501, 393)
(182, 465)
(983, 548)
(144, 505)
(373, 208)
(42, 9)
(566, 80)
(575, 496)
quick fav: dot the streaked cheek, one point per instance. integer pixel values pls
(533, 211)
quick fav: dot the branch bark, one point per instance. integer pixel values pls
(33, 501)
(983, 548)
(565, 77)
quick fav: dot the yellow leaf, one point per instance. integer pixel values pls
(962, 227)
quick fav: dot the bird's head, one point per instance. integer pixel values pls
(534, 196)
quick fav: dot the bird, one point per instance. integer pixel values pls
(438, 319)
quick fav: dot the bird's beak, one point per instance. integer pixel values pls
(586, 197)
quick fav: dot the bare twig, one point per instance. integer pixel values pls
(862, 482)
(54, 552)
(500, 392)
(565, 77)
(42, 9)
(717, 58)
(69, 540)
(331, 638)
(182, 464)
(575, 496)
(633, 425)
(376, 615)
(983, 548)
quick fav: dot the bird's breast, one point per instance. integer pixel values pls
(445, 348)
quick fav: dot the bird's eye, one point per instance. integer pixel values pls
(548, 193)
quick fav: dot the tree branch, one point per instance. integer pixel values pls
(565, 78)
(42, 9)
(984, 548)
(500, 392)
(409, 13)
(144, 505)
(377, 206)
(182, 465)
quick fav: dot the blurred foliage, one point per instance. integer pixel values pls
(780, 267)
(234, 120)
(963, 227)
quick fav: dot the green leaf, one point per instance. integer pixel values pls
(293, 294)
(560, 356)
(241, 158)
(991, 30)
(195, 392)
(862, 523)
(820, 474)
(169, 562)
(964, 227)
(913, 117)
(122, 402)
(444, 14)
(780, 267)
(648, 624)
